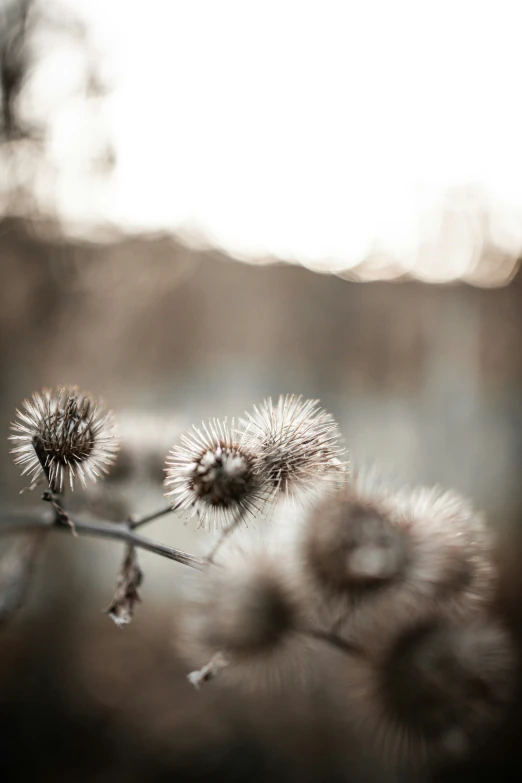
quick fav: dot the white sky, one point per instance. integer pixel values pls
(306, 130)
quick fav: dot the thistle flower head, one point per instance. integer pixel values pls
(214, 475)
(63, 435)
(296, 443)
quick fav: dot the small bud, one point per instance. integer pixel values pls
(214, 475)
(296, 443)
(62, 435)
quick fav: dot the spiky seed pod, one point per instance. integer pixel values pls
(296, 443)
(213, 474)
(64, 435)
(431, 689)
(416, 547)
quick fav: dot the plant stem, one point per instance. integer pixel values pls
(115, 531)
(41, 454)
(135, 522)
(224, 535)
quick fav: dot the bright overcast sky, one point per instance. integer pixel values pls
(307, 130)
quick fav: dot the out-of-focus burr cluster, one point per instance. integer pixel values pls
(386, 596)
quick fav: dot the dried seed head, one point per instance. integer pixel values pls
(448, 683)
(430, 688)
(352, 545)
(65, 434)
(296, 443)
(213, 474)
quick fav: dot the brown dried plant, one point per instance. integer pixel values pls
(398, 584)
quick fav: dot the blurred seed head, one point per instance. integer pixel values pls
(213, 474)
(431, 688)
(249, 608)
(248, 611)
(352, 545)
(296, 443)
(416, 547)
(452, 548)
(448, 684)
(64, 435)
(123, 469)
(145, 438)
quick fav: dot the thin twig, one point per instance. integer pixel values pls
(135, 522)
(98, 529)
(224, 535)
(61, 516)
(336, 641)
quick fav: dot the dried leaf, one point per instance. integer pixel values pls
(126, 595)
(16, 570)
(209, 671)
